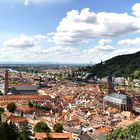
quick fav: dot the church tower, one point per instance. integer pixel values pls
(6, 86)
(40, 80)
(110, 85)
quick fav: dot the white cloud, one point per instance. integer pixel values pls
(105, 48)
(26, 2)
(130, 42)
(29, 2)
(79, 27)
(97, 55)
(20, 42)
(24, 41)
(38, 54)
(136, 9)
(40, 37)
(33, 2)
(104, 42)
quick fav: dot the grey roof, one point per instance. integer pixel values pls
(117, 98)
(72, 130)
(80, 113)
(25, 87)
(85, 137)
(99, 135)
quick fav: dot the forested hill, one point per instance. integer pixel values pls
(123, 65)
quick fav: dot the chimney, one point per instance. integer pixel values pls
(6, 83)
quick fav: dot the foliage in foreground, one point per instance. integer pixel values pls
(132, 132)
(10, 132)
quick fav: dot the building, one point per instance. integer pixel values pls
(110, 85)
(23, 89)
(6, 83)
(117, 100)
(22, 98)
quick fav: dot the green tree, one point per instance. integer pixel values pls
(58, 127)
(132, 132)
(30, 104)
(1, 110)
(42, 127)
(25, 133)
(8, 131)
(137, 74)
(11, 107)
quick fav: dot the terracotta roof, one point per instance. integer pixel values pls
(40, 136)
(15, 98)
(18, 119)
(124, 123)
(103, 129)
(25, 108)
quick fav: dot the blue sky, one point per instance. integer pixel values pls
(68, 31)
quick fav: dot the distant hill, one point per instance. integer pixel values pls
(123, 65)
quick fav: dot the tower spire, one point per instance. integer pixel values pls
(110, 85)
(6, 86)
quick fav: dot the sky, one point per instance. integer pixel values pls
(68, 31)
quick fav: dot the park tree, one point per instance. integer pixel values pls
(58, 127)
(30, 104)
(11, 107)
(42, 127)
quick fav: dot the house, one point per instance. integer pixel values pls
(5, 116)
(72, 130)
(24, 110)
(9, 117)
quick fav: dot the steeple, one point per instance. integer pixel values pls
(6, 86)
(110, 85)
(20, 75)
(40, 80)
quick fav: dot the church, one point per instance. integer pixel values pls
(117, 100)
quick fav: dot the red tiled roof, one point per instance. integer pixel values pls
(103, 129)
(25, 108)
(15, 98)
(68, 136)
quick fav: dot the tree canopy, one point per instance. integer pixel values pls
(58, 127)
(123, 65)
(25, 133)
(11, 107)
(42, 127)
(30, 104)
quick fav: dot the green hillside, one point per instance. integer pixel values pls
(123, 65)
